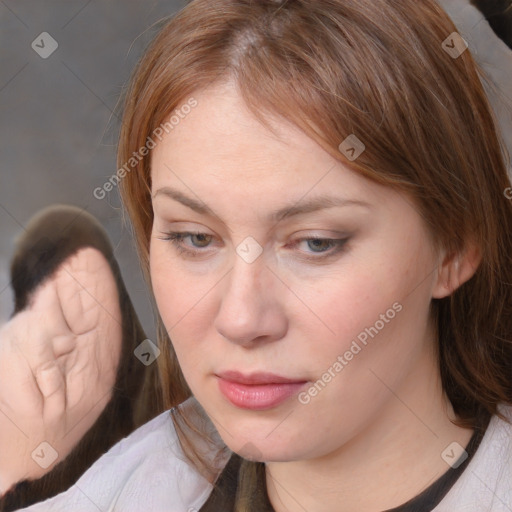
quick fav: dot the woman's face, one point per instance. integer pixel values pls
(345, 317)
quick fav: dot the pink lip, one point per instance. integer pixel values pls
(257, 391)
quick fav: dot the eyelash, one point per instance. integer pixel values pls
(176, 238)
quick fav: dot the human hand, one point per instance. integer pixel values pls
(58, 365)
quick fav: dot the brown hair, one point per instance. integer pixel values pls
(376, 69)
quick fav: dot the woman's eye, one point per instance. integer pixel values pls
(319, 244)
(198, 242)
(323, 247)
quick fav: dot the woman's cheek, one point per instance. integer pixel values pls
(368, 329)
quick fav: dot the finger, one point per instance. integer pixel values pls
(18, 391)
(26, 345)
(52, 385)
(87, 290)
(59, 339)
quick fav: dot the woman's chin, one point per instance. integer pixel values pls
(271, 435)
(251, 445)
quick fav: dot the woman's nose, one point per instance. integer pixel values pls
(251, 308)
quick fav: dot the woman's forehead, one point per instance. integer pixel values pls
(221, 139)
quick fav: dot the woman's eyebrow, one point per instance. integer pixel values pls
(300, 207)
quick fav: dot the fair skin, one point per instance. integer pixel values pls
(58, 362)
(373, 437)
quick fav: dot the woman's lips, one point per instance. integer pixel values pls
(257, 391)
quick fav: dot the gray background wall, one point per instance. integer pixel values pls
(58, 127)
(58, 131)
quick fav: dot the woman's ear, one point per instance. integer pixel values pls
(455, 269)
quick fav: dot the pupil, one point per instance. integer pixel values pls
(319, 244)
(202, 238)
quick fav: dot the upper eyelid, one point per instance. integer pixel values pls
(187, 233)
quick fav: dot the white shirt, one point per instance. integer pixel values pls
(145, 471)
(148, 471)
